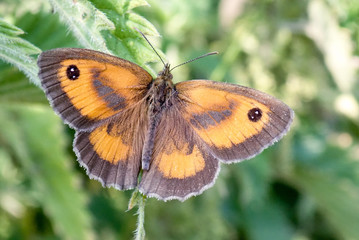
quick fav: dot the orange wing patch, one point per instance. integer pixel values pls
(181, 163)
(109, 145)
(101, 90)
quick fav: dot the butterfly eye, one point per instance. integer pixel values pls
(255, 114)
(72, 72)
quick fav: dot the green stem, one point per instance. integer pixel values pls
(140, 231)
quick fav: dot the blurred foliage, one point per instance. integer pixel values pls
(303, 52)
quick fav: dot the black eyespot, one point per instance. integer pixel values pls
(72, 72)
(255, 114)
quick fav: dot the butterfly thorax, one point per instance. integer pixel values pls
(161, 90)
(160, 97)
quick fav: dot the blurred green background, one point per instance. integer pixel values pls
(303, 52)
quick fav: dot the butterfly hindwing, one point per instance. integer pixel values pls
(86, 87)
(235, 122)
(111, 153)
(181, 165)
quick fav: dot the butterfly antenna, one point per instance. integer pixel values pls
(194, 59)
(143, 35)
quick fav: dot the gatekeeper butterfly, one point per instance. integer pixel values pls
(166, 139)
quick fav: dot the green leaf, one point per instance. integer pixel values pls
(85, 22)
(9, 29)
(253, 177)
(17, 51)
(120, 6)
(109, 26)
(36, 138)
(16, 88)
(137, 3)
(336, 198)
(267, 221)
(125, 41)
(45, 30)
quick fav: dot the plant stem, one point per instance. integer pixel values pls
(140, 231)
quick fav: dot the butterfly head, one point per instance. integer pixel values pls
(166, 72)
(165, 76)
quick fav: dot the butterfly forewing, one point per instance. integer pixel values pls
(235, 122)
(86, 87)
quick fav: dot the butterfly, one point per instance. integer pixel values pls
(166, 139)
